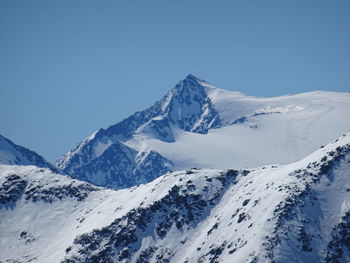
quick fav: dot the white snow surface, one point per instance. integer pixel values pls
(275, 130)
(51, 227)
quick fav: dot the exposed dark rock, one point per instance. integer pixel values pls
(305, 239)
(175, 208)
(11, 190)
(340, 241)
(37, 192)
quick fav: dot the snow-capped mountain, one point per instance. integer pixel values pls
(87, 160)
(297, 212)
(199, 125)
(13, 154)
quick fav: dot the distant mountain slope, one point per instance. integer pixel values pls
(288, 213)
(13, 154)
(131, 167)
(199, 125)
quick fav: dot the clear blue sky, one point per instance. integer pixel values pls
(68, 68)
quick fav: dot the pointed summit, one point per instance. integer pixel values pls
(190, 82)
(186, 107)
(192, 77)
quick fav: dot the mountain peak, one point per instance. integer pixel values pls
(190, 82)
(193, 78)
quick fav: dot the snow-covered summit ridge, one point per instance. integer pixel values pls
(199, 125)
(171, 108)
(185, 107)
(297, 212)
(13, 154)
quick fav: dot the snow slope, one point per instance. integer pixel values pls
(199, 125)
(297, 212)
(291, 127)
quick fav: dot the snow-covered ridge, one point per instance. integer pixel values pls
(13, 154)
(38, 184)
(281, 213)
(199, 125)
(157, 122)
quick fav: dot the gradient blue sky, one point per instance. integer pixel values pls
(68, 68)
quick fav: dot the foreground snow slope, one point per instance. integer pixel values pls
(298, 212)
(199, 125)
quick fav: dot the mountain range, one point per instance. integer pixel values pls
(203, 175)
(199, 125)
(299, 212)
